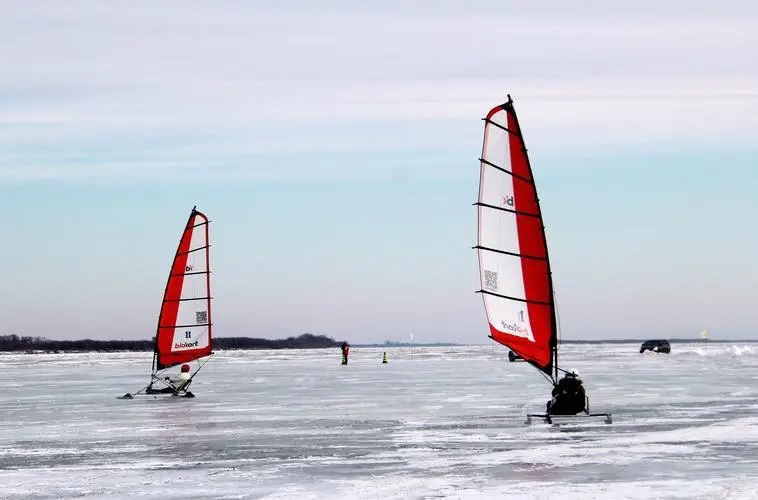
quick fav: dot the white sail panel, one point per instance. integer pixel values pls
(192, 318)
(500, 273)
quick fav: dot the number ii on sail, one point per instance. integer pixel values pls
(516, 281)
(184, 324)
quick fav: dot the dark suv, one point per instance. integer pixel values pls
(656, 346)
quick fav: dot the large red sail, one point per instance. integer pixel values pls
(184, 324)
(516, 283)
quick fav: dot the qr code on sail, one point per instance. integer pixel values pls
(201, 317)
(490, 280)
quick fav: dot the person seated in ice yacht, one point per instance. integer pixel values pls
(568, 396)
(175, 384)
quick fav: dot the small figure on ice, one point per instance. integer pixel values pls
(345, 352)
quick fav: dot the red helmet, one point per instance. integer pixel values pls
(185, 368)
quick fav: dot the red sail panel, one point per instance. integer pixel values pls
(514, 269)
(184, 324)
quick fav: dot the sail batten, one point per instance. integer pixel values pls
(522, 255)
(517, 212)
(182, 300)
(516, 282)
(193, 250)
(504, 170)
(506, 129)
(507, 297)
(191, 274)
(184, 324)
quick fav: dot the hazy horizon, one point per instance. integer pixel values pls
(334, 148)
(408, 342)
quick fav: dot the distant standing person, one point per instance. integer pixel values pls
(345, 352)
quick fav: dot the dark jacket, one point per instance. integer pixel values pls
(568, 397)
(571, 386)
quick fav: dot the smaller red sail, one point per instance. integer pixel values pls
(516, 283)
(184, 324)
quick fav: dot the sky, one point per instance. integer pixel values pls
(334, 147)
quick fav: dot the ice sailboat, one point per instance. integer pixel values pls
(516, 281)
(183, 335)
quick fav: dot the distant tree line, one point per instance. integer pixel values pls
(304, 341)
(16, 343)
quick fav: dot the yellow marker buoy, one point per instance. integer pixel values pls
(384, 358)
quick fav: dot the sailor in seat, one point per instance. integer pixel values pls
(568, 396)
(180, 381)
(175, 384)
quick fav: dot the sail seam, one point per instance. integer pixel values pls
(517, 212)
(517, 176)
(515, 254)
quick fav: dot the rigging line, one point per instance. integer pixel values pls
(548, 378)
(201, 366)
(557, 331)
(143, 389)
(208, 357)
(557, 315)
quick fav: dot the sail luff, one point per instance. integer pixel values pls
(156, 339)
(516, 282)
(183, 242)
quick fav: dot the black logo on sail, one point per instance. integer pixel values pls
(188, 343)
(508, 200)
(514, 328)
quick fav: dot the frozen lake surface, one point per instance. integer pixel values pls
(445, 423)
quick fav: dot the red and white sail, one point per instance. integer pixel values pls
(513, 262)
(184, 324)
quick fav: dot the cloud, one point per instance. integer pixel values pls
(225, 85)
